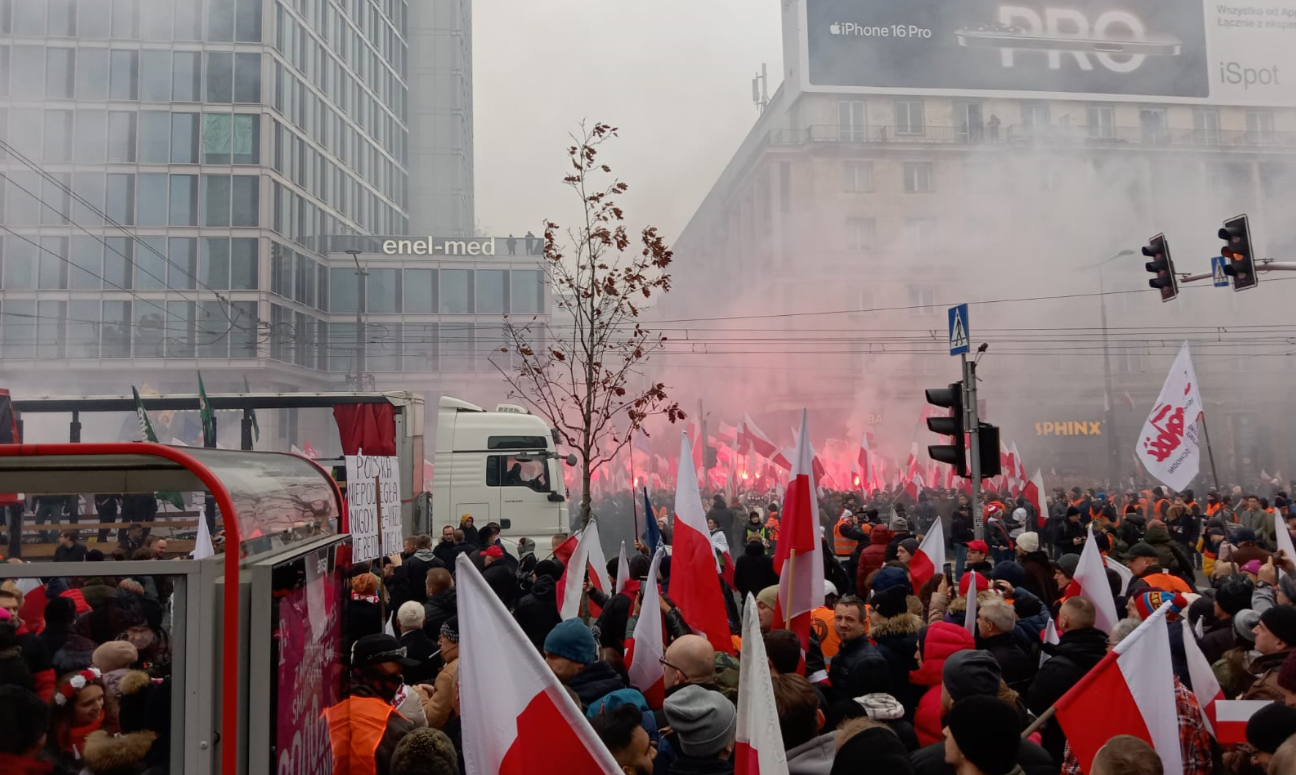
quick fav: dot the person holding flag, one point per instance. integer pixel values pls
(798, 558)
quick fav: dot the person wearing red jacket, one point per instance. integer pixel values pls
(24, 724)
(872, 558)
(935, 644)
(33, 648)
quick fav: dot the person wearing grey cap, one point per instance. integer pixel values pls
(704, 723)
(976, 674)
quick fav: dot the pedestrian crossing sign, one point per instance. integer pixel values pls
(959, 334)
(1218, 277)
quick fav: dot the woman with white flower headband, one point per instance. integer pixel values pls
(78, 711)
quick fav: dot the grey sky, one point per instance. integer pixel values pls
(673, 75)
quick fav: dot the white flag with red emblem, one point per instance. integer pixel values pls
(758, 740)
(512, 703)
(1168, 445)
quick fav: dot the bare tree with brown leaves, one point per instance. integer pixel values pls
(587, 380)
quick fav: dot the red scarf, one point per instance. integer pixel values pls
(76, 736)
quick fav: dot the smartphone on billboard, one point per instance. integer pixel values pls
(1010, 36)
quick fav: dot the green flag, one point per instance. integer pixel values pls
(146, 427)
(205, 412)
(256, 426)
(146, 430)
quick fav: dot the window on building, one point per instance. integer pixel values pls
(28, 72)
(281, 269)
(58, 135)
(244, 272)
(184, 200)
(861, 235)
(245, 333)
(51, 319)
(420, 351)
(527, 293)
(154, 136)
(922, 298)
(29, 18)
(53, 274)
(92, 75)
(152, 197)
(182, 262)
(86, 259)
(89, 187)
(56, 194)
(851, 125)
(247, 21)
(119, 203)
(116, 332)
(492, 291)
(184, 138)
(456, 291)
(1206, 126)
(920, 233)
(186, 70)
(909, 117)
(419, 291)
(220, 77)
(151, 263)
(179, 334)
(1102, 121)
(125, 19)
(124, 83)
(155, 19)
(1152, 124)
(245, 139)
(83, 329)
(458, 346)
(1035, 115)
(91, 129)
(59, 71)
(121, 136)
(214, 262)
(217, 138)
(220, 20)
(383, 291)
(155, 76)
(18, 321)
(247, 200)
(247, 77)
(20, 263)
(857, 176)
(1259, 124)
(342, 290)
(917, 177)
(93, 19)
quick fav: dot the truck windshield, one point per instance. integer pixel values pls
(508, 471)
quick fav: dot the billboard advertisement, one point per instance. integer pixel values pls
(1190, 51)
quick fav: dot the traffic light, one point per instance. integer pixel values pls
(1162, 267)
(955, 454)
(1238, 250)
(988, 444)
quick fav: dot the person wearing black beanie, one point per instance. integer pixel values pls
(1275, 636)
(1267, 729)
(873, 750)
(983, 732)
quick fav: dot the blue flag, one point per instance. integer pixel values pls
(652, 536)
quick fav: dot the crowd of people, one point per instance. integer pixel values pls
(895, 679)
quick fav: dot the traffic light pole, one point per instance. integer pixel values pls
(972, 425)
(1262, 265)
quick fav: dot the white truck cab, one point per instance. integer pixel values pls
(499, 466)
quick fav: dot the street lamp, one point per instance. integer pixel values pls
(361, 305)
(1113, 443)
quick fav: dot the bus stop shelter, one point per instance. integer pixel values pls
(255, 632)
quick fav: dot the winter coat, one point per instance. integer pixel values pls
(1032, 618)
(416, 570)
(897, 642)
(74, 553)
(687, 765)
(502, 581)
(1217, 638)
(537, 613)
(594, 682)
(942, 641)
(1246, 552)
(1159, 539)
(1261, 522)
(440, 708)
(1032, 759)
(363, 618)
(961, 530)
(1017, 666)
(872, 558)
(754, 572)
(445, 552)
(1265, 687)
(852, 656)
(1072, 657)
(418, 646)
(1039, 577)
(814, 757)
(437, 609)
(609, 629)
(1066, 537)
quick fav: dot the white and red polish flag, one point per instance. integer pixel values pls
(970, 616)
(758, 740)
(695, 584)
(799, 558)
(759, 442)
(1090, 582)
(1033, 492)
(911, 465)
(1130, 692)
(1205, 685)
(864, 460)
(588, 554)
(647, 646)
(512, 703)
(623, 568)
(1231, 717)
(1050, 636)
(930, 557)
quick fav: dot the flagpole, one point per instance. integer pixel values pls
(791, 567)
(634, 510)
(1209, 452)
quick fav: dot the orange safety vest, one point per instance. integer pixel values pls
(1213, 508)
(772, 525)
(356, 729)
(829, 640)
(842, 546)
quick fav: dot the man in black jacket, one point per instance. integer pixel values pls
(445, 550)
(442, 602)
(1080, 647)
(1233, 595)
(537, 611)
(754, 570)
(69, 548)
(499, 575)
(610, 629)
(996, 624)
(418, 646)
(855, 652)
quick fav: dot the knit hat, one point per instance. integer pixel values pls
(548, 568)
(1072, 511)
(877, 751)
(1244, 623)
(427, 751)
(898, 523)
(1029, 541)
(1281, 621)
(1149, 602)
(1068, 563)
(978, 546)
(890, 576)
(890, 602)
(572, 640)
(1269, 727)
(614, 700)
(1251, 566)
(1244, 535)
(703, 719)
(1010, 572)
(987, 732)
(1287, 674)
(910, 545)
(768, 597)
(971, 673)
(114, 655)
(982, 583)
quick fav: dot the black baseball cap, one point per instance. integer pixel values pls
(377, 649)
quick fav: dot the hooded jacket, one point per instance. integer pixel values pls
(537, 613)
(942, 640)
(754, 571)
(873, 557)
(814, 757)
(897, 642)
(1016, 665)
(1072, 657)
(107, 754)
(437, 609)
(1159, 539)
(595, 681)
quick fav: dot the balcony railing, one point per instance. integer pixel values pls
(1048, 134)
